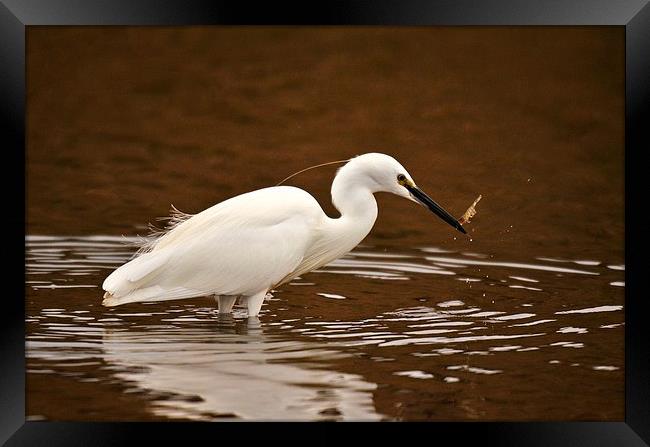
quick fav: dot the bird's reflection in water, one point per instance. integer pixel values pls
(231, 368)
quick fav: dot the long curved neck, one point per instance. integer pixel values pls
(352, 195)
(353, 198)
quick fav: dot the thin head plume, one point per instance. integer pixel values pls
(313, 167)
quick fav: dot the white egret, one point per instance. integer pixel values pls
(247, 245)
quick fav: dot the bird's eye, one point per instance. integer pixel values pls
(401, 178)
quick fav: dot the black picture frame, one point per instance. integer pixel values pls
(634, 15)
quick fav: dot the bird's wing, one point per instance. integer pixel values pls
(240, 246)
(325, 247)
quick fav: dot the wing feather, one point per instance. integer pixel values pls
(325, 247)
(238, 247)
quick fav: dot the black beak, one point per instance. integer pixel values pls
(434, 207)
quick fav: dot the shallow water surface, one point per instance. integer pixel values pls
(521, 320)
(412, 334)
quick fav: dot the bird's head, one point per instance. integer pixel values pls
(382, 173)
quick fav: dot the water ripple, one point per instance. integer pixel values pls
(325, 354)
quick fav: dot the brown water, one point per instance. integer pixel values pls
(523, 320)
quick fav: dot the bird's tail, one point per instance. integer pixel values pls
(150, 294)
(111, 300)
(132, 281)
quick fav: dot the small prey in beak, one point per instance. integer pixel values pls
(439, 211)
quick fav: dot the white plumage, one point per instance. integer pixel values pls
(246, 245)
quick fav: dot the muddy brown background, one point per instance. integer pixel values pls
(122, 122)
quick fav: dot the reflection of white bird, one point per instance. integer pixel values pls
(246, 245)
(210, 373)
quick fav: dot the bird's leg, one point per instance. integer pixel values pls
(225, 303)
(254, 303)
